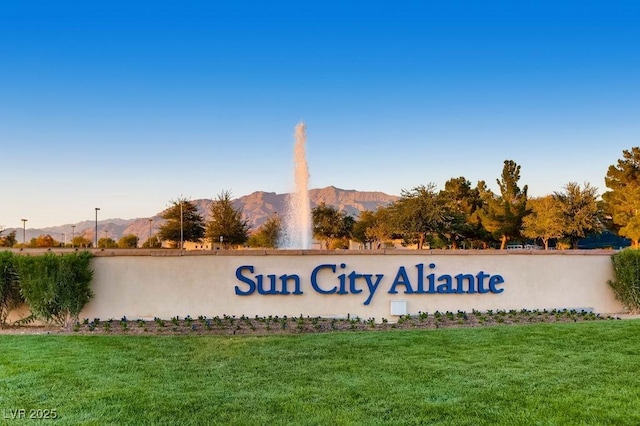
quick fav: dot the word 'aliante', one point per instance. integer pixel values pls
(337, 279)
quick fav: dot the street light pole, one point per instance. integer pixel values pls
(24, 232)
(149, 241)
(181, 229)
(73, 235)
(97, 208)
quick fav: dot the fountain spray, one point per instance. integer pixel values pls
(297, 229)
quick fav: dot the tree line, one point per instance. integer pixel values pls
(79, 241)
(459, 216)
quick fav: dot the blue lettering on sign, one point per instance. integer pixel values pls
(401, 279)
(314, 279)
(259, 283)
(335, 279)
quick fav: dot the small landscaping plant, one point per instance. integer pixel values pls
(244, 325)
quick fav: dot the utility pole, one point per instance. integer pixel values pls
(149, 240)
(97, 208)
(181, 229)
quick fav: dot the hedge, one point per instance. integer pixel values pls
(56, 287)
(10, 294)
(626, 286)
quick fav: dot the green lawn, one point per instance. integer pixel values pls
(584, 373)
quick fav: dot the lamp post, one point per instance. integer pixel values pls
(97, 208)
(149, 241)
(181, 229)
(73, 235)
(24, 232)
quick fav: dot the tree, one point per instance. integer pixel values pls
(365, 222)
(418, 213)
(461, 201)
(342, 242)
(8, 240)
(227, 221)
(545, 221)
(502, 215)
(107, 242)
(331, 225)
(382, 229)
(182, 220)
(481, 237)
(45, 241)
(373, 227)
(580, 215)
(81, 241)
(152, 242)
(622, 202)
(128, 241)
(268, 234)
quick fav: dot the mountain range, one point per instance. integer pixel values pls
(256, 208)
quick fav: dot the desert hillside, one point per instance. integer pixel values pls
(256, 207)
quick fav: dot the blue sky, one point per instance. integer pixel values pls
(127, 105)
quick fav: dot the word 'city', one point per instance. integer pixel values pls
(324, 279)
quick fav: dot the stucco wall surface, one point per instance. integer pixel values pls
(165, 286)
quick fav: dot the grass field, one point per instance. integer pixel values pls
(584, 373)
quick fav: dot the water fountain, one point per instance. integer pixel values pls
(297, 220)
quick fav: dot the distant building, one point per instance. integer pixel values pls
(204, 244)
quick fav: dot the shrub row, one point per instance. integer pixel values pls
(626, 286)
(231, 324)
(55, 287)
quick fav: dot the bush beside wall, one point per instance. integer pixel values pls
(10, 295)
(626, 286)
(56, 287)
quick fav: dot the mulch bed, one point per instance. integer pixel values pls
(232, 325)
